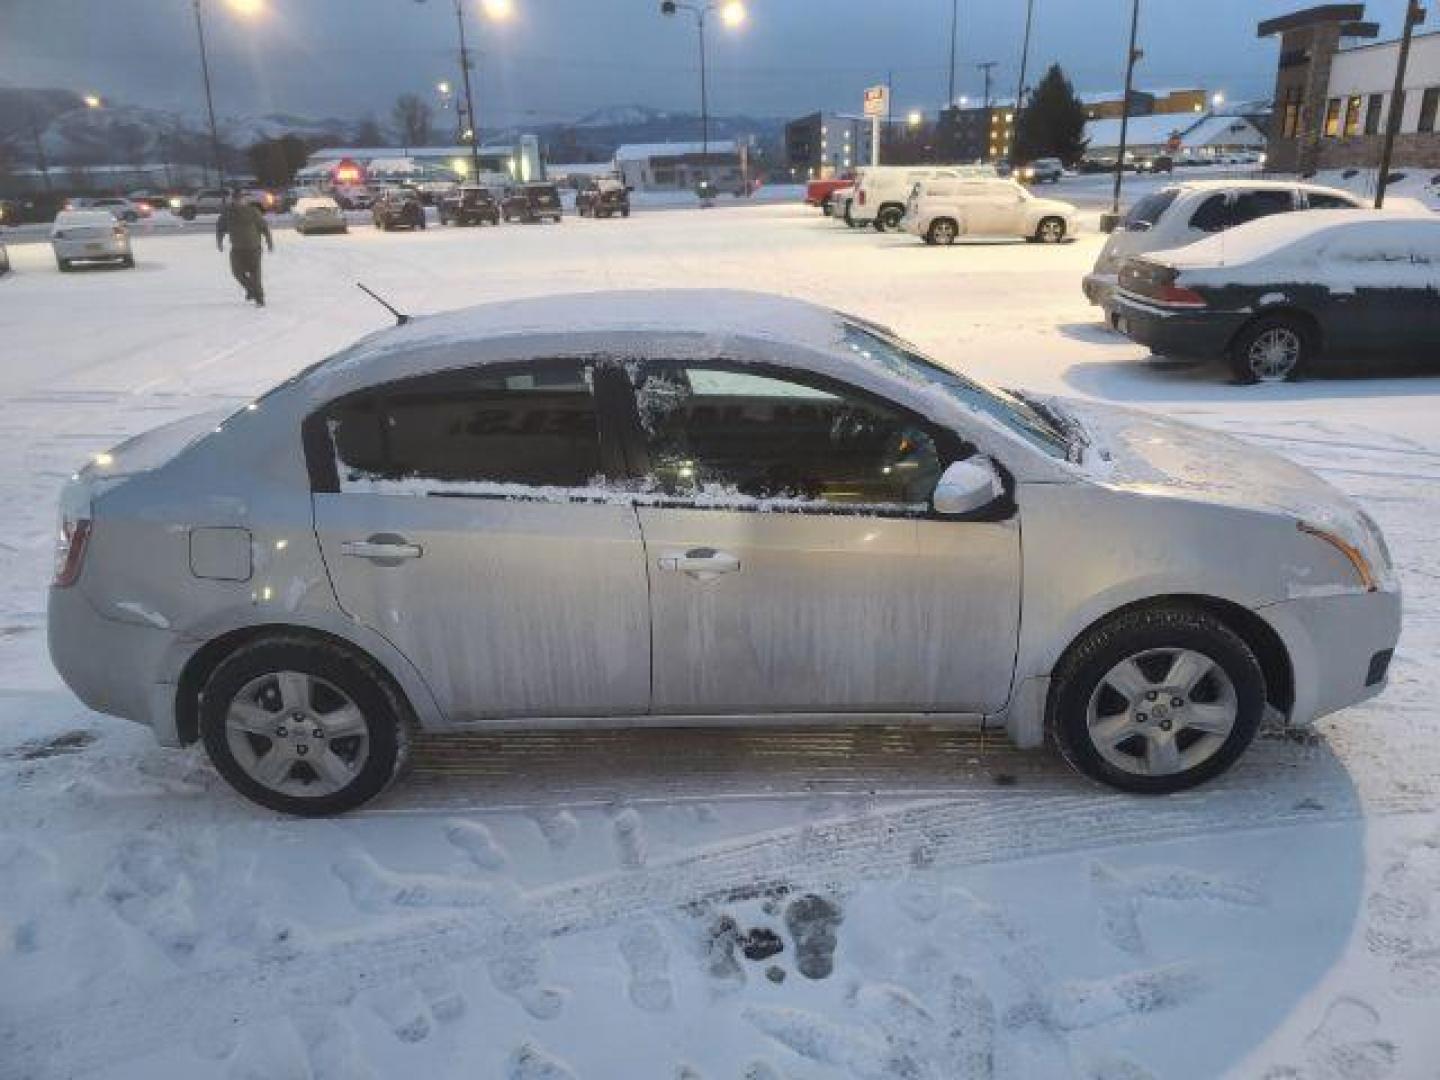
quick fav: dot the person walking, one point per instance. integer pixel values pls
(246, 226)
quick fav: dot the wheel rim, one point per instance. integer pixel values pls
(1051, 231)
(1274, 354)
(1162, 712)
(944, 232)
(296, 734)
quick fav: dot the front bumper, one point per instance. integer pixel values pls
(1201, 334)
(1337, 647)
(114, 667)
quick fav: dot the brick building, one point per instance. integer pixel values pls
(1333, 91)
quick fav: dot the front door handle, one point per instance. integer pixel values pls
(383, 549)
(701, 563)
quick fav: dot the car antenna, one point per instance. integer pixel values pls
(400, 317)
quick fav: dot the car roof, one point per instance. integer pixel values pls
(1257, 185)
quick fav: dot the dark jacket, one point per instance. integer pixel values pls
(246, 226)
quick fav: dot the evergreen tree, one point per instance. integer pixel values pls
(1052, 123)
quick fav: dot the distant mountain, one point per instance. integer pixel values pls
(620, 116)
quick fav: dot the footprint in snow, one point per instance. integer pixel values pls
(477, 842)
(629, 833)
(531, 1062)
(270, 1051)
(558, 827)
(648, 959)
(333, 1048)
(1121, 893)
(403, 1010)
(441, 992)
(812, 921)
(1344, 1046)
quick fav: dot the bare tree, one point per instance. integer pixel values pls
(412, 115)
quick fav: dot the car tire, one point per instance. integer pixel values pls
(827, 208)
(888, 218)
(63, 264)
(187, 213)
(1122, 695)
(942, 231)
(1275, 348)
(1051, 230)
(341, 688)
(128, 262)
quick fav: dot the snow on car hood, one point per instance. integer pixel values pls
(1146, 453)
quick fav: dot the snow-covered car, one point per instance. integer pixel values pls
(943, 211)
(87, 236)
(677, 507)
(1182, 213)
(880, 191)
(532, 203)
(118, 206)
(1277, 296)
(318, 214)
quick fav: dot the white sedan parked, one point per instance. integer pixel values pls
(318, 214)
(943, 211)
(87, 236)
(671, 508)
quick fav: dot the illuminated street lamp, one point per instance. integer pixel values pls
(915, 118)
(495, 11)
(248, 9)
(93, 101)
(1217, 99)
(733, 15)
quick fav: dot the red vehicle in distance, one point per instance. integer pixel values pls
(820, 192)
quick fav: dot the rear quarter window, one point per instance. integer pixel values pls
(1146, 213)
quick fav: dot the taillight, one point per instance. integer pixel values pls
(860, 197)
(1177, 296)
(70, 546)
(1159, 283)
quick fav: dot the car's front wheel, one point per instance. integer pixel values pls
(303, 727)
(942, 231)
(1157, 700)
(1272, 349)
(1051, 230)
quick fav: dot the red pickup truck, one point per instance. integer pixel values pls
(819, 192)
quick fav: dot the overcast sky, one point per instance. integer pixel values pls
(557, 59)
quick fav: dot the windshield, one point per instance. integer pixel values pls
(1016, 415)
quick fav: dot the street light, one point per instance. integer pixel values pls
(248, 8)
(495, 11)
(733, 15)
(1217, 99)
(915, 118)
(93, 101)
(498, 10)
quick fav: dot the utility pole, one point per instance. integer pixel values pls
(954, 30)
(1414, 16)
(1113, 218)
(40, 162)
(209, 100)
(987, 67)
(1020, 90)
(469, 95)
(704, 97)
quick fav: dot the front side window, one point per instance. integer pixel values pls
(1225, 211)
(535, 426)
(725, 434)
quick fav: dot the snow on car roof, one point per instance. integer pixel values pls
(84, 217)
(1267, 236)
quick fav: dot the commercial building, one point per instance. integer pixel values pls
(822, 145)
(1334, 93)
(1204, 136)
(1111, 106)
(680, 166)
(980, 133)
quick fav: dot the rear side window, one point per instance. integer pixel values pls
(536, 427)
(1229, 209)
(1319, 200)
(1147, 213)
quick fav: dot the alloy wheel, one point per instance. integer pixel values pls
(1274, 354)
(1052, 231)
(1162, 712)
(297, 734)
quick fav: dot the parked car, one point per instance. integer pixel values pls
(469, 204)
(4, 259)
(1278, 296)
(1155, 163)
(88, 236)
(398, 208)
(603, 198)
(943, 211)
(204, 201)
(881, 191)
(463, 522)
(1191, 210)
(118, 206)
(532, 202)
(319, 214)
(353, 196)
(1042, 171)
(821, 193)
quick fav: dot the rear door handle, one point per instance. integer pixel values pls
(382, 549)
(701, 563)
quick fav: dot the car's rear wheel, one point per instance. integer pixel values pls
(942, 231)
(1157, 700)
(1051, 230)
(1272, 349)
(303, 727)
(888, 219)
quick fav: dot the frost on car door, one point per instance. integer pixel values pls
(462, 519)
(794, 562)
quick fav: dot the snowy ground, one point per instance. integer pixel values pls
(601, 906)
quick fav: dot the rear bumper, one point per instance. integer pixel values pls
(1099, 288)
(1182, 332)
(113, 667)
(1338, 648)
(82, 249)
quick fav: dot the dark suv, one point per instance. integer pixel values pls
(398, 208)
(469, 205)
(602, 201)
(532, 202)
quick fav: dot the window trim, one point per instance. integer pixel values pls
(319, 445)
(949, 444)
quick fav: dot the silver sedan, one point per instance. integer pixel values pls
(673, 508)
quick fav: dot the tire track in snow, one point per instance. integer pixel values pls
(116, 1020)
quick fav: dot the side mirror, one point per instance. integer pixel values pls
(968, 486)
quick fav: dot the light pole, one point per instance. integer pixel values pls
(1020, 89)
(242, 7)
(732, 14)
(954, 30)
(1110, 220)
(1414, 16)
(496, 11)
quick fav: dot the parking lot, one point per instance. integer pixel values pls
(520, 887)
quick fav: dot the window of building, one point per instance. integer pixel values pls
(1429, 104)
(1332, 118)
(537, 426)
(1290, 126)
(1352, 116)
(1374, 108)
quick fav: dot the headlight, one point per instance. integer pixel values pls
(1358, 559)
